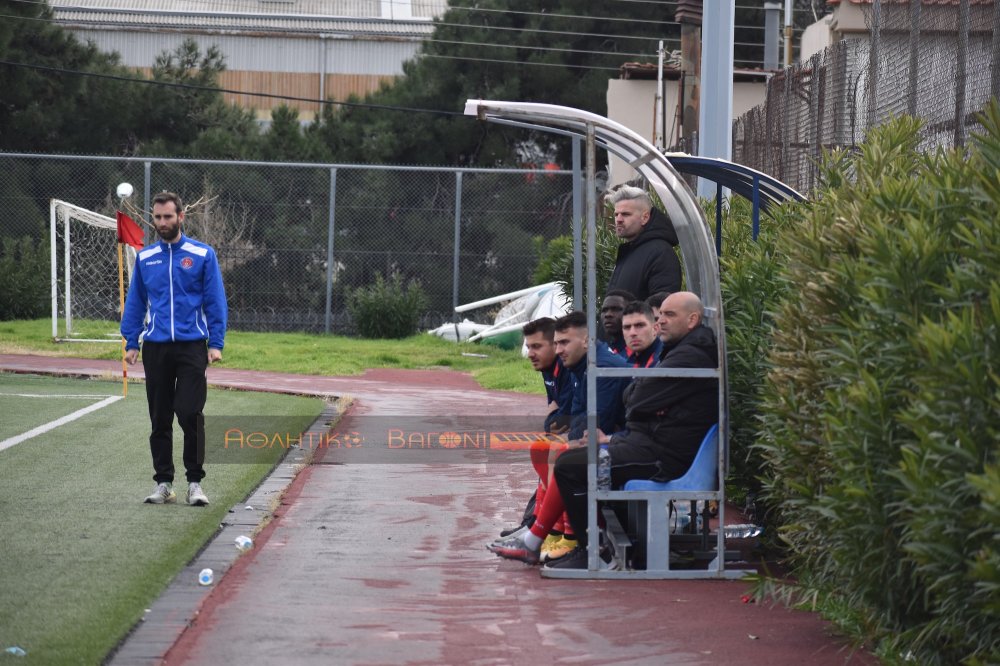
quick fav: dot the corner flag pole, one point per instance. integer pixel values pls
(121, 311)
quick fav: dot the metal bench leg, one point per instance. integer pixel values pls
(657, 536)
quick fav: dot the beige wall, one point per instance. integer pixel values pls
(631, 102)
(815, 38)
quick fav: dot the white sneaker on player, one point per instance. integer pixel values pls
(196, 496)
(163, 494)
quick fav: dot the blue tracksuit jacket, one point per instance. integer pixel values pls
(180, 286)
(558, 389)
(610, 409)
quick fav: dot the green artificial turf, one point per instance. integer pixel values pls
(304, 353)
(82, 557)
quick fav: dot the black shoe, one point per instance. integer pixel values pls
(576, 559)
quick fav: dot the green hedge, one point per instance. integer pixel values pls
(387, 308)
(751, 290)
(24, 278)
(880, 412)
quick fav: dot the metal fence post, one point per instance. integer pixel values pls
(329, 252)
(911, 91)
(873, 61)
(591, 310)
(458, 243)
(960, 65)
(147, 170)
(995, 84)
(577, 215)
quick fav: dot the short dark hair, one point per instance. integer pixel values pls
(574, 319)
(639, 307)
(164, 197)
(544, 325)
(656, 300)
(627, 295)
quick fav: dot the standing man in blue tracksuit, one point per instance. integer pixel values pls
(178, 284)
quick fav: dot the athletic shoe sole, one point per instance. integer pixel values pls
(520, 554)
(160, 500)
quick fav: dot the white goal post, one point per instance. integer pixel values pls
(82, 244)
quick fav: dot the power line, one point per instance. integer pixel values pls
(515, 62)
(457, 25)
(68, 7)
(190, 86)
(569, 33)
(570, 16)
(428, 39)
(544, 48)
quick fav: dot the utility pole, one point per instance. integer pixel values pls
(688, 14)
(716, 118)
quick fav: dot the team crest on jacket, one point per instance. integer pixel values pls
(187, 262)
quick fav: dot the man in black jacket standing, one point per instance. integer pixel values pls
(646, 261)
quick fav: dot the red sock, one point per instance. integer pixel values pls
(539, 499)
(552, 508)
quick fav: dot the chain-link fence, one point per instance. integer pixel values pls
(936, 61)
(293, 240)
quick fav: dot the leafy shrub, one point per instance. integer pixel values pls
(751, 290)
(880, 411)
(556, 260)
(387, 308)
(24, 278)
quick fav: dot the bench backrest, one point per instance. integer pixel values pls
(702, 475)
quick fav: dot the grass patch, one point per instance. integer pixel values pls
(82, 556)
(303, 353)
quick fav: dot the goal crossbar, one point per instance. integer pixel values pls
(64, 212)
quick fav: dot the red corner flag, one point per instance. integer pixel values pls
(129, 232)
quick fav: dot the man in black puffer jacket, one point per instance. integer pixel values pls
(646, 261)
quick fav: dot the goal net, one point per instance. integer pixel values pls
(84, 265)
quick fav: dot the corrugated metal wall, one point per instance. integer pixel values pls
(332, 52)
(266, 54)
(389, 9)
(354, 8)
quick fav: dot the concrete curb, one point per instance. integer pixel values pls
(179, 604)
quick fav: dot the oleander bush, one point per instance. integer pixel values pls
(751, 290)
(387, 308)
(880, 411)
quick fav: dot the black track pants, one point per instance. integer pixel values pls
(176, 384)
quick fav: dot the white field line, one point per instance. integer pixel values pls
(51, 425)
(57, 395)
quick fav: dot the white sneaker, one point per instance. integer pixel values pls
(196, 496)
(164, 494)
(520, 531)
